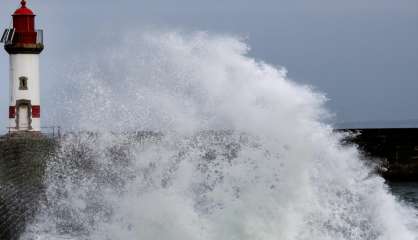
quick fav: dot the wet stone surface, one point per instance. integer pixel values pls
(22, 167)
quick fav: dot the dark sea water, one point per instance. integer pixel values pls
(406, 191)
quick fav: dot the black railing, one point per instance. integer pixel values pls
(54, 131)
(39, 36)
(10, 36)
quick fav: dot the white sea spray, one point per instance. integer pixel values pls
(236, 151)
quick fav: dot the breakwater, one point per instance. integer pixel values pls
(24, 159)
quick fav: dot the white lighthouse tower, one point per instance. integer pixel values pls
(24, 44)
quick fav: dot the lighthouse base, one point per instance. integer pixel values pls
(24, 117)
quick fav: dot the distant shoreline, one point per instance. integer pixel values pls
(377, 124)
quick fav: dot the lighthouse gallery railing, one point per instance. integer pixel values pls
(9, 35)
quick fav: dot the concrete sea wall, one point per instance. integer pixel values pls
(23, 161)
(22, 166)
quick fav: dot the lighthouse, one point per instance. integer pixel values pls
(24, 43)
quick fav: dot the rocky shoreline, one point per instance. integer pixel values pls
(394, 149)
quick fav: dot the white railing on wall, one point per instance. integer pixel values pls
(53, 131)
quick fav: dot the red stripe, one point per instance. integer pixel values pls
(36, 111)
(12, 112)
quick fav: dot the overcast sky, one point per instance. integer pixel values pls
(362, 53)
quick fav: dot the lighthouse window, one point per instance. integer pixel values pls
(23, 83)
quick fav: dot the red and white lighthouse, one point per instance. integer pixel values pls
(24, 44)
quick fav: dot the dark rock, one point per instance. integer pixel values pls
(395, 148)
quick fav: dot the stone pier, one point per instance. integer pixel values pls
(23, 159)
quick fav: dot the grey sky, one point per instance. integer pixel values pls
(362, 53)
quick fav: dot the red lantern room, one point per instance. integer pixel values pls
(24, 25)
(23, 37)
